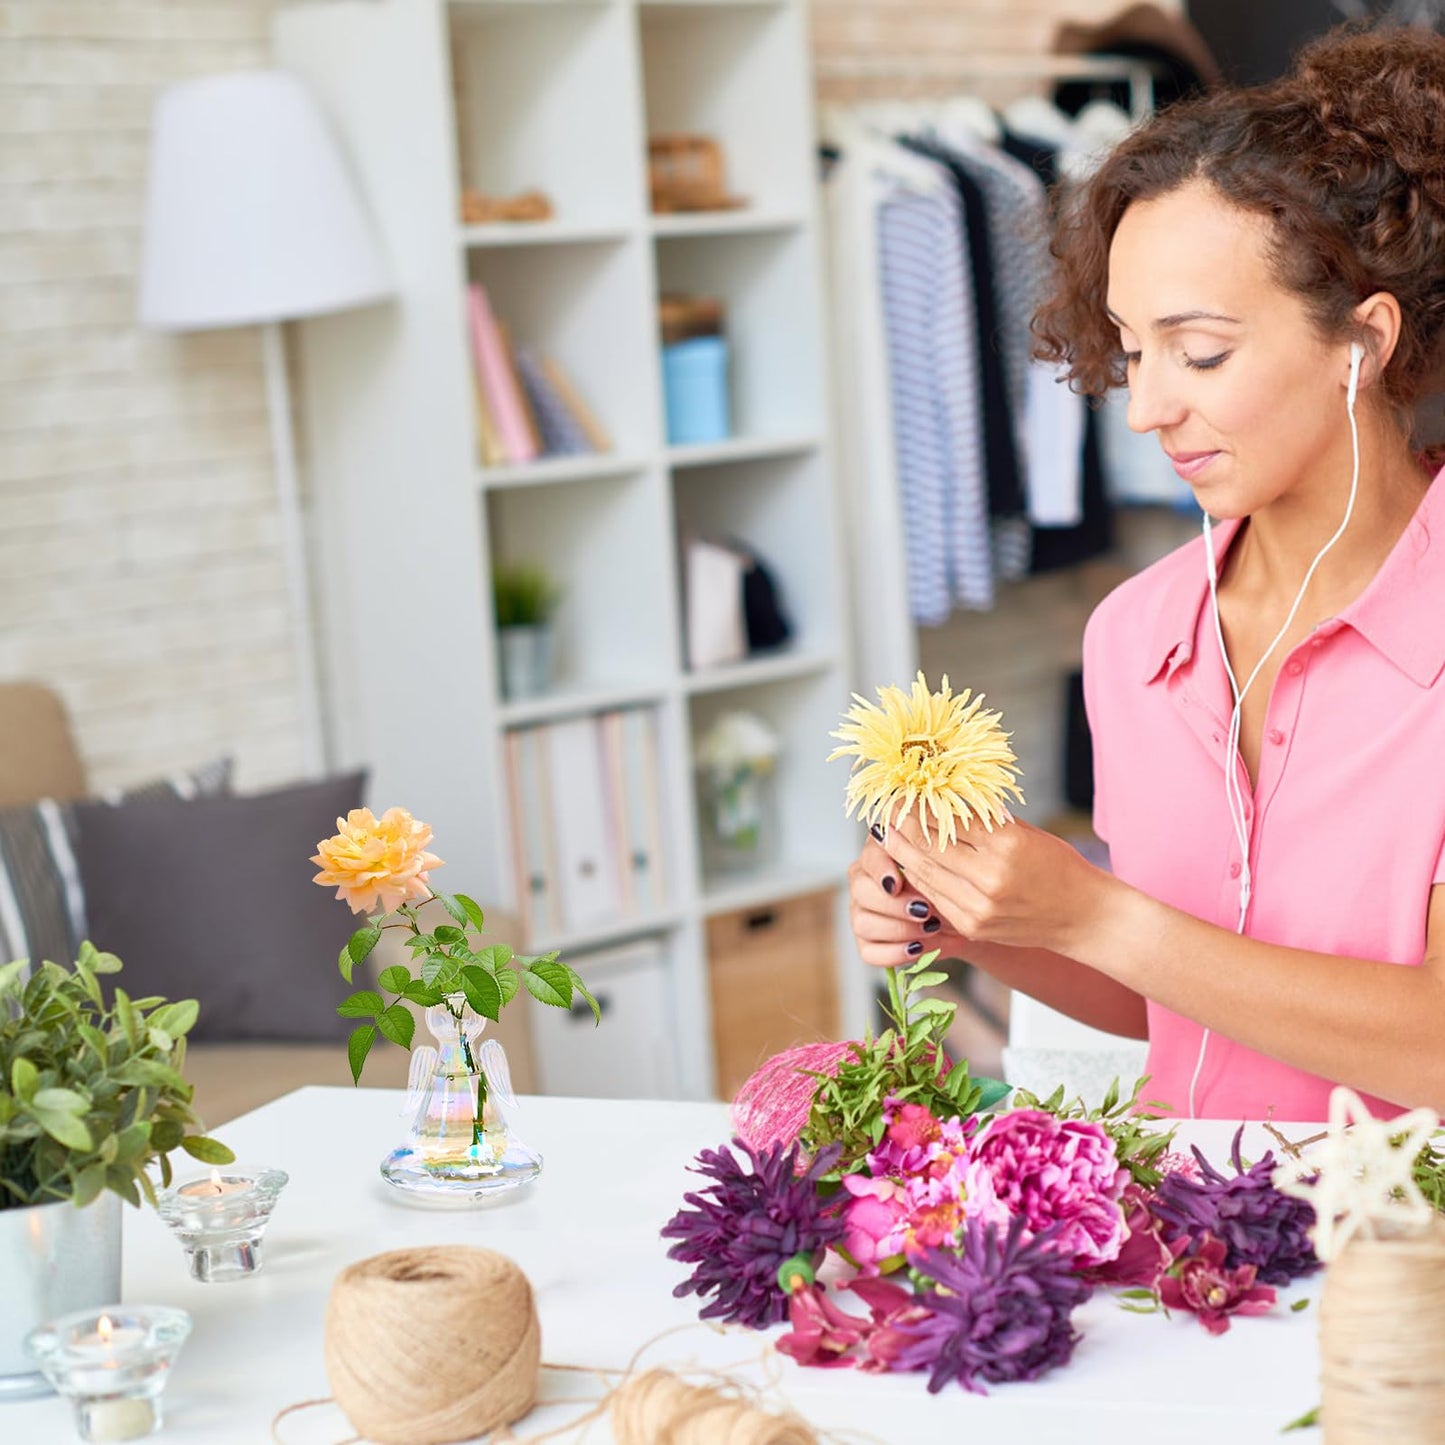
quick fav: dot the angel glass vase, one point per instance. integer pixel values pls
(462, 1145)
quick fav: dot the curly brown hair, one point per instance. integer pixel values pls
(1346, 157)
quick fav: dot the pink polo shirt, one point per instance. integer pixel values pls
(1347, 821)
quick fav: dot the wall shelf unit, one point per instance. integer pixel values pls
(434, 97)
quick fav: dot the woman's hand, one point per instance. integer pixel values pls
(1016, 885)
(893, 922)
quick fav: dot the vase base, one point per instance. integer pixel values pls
(458, 1183)
(28, 1386)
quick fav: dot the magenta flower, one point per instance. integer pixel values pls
(914, 1142)
(1144, 1255)
(1050, 1171)
(999, 1311)
(821, 1334)
(1202, 1285)
(874, 1221)
(741, 1228)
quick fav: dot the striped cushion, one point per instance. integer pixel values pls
(42, 905)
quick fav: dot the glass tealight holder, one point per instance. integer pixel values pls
(220, 1217)
(112, 1364)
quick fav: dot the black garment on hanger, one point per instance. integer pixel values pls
(1056, 547)
(1002, 468)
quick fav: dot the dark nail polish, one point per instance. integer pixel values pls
(933, 925)
(914, 949)
(890, 883)
(876, 831)
(918, 908)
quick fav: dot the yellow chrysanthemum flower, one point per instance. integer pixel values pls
(941, 752)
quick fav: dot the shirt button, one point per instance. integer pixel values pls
(1234, 870)
(1294, 667)
(1275, 736)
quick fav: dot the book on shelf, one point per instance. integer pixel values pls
(494, 454)
(571, 398)
(561, 433)
(529, 416)
(587, 839)
(499, 384)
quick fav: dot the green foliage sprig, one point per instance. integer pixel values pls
(905, 1062)
(523, 594)
(447, 965)
(91, 1095)
(1126, 1121)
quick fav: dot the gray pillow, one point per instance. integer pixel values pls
(212, 899)
(42, 907)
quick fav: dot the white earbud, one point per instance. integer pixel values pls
(1234, 793)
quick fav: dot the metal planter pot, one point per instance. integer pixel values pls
(54, 1258)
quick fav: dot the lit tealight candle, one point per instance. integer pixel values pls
(107, 1341)
(214, 1187)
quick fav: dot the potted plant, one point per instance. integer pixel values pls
(91, 1095)
(525, 598)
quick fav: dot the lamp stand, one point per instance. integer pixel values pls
(293, 549)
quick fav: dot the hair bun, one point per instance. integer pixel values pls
(1380, 93)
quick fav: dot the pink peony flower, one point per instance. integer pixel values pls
(1058, 1171)
(915, 1142)
(1202, 1286)
(821, 1333)
(1144, 1255)
(874, 1221)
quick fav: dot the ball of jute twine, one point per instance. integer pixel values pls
(427, 1346)
(1382, 1322)
(658, 1408)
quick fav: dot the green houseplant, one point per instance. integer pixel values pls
(525, 599)
(91, 1096)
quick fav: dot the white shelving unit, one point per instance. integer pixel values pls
(503, 95)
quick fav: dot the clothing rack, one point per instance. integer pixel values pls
(903, 73)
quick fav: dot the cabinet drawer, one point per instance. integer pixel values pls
(772, 972)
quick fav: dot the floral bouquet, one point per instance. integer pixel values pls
(965, 1234)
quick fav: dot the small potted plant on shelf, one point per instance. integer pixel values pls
(525, 598)
(91, 1095)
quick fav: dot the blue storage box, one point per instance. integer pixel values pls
(695, 390)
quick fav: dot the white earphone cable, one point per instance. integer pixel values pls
(1233, 791)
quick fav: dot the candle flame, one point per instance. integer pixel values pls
(104, 1328)
(216, 1180)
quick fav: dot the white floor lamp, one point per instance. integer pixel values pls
(252, 218)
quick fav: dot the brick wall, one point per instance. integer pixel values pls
(140, 571)
(139, 562)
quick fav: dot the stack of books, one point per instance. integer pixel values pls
(587, 839)
(527, 406)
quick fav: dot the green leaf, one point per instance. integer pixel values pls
(65, 1128)
(922, 966)
(357, 1048)
(87, 1185)
(508, 982)
(483, 991)
(24, 1079)
(344, 962)
(422, 940)
(132, 1142)
(148, 1073)
(363, 1004)
(549, 983)
(395, 978)
(176, 1019)
(362, 942)
(929, 980)
(1307, 1421)
(452, 906)
(420, 993)
(498, 956)
(992, 1091)
(208, 1151)
(581, 988)
(66, 1101)
(398, 1024)
(166, 1134)
(1299, 1304)
(126, 1014)
(99, 961)
(445, 933)
(472, 910)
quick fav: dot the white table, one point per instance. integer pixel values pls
(587, 1236)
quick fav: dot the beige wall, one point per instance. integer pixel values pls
(139, 557)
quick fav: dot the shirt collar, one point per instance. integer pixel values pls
(1401, 614)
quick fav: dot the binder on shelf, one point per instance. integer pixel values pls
(587, 869)
(502, 393)
(640, 770)
(533, 853)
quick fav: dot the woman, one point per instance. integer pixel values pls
(1265, 270)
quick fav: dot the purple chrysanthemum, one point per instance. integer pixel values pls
(1257, 1224)
(1000, 1310)
(741, 1228)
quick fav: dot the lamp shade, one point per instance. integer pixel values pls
(251, 215)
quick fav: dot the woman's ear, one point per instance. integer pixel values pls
(1377, 318)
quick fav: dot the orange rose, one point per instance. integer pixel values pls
(377, 863)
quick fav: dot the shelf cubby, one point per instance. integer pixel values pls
(769, 505)
(728, 72)
(584, 304)
(607, 544)
(523, 73)
(770, 318)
